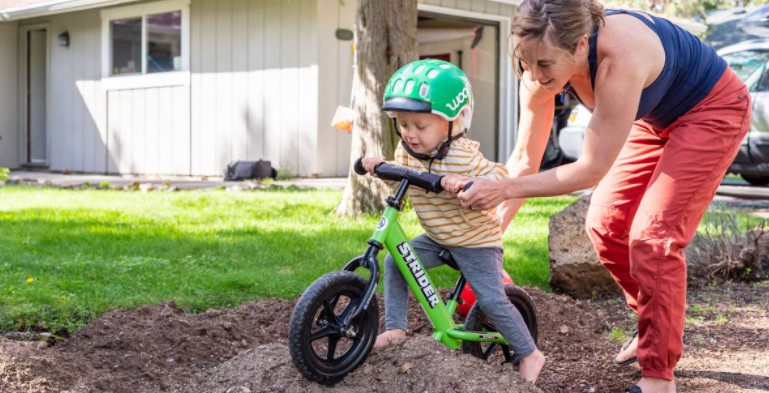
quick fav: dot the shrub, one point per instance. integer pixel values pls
(732, 247)
(4, 174)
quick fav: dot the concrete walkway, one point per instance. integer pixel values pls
(179, 182)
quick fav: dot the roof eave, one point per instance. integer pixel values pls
(55, 7)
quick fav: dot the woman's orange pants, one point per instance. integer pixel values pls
(645, 211)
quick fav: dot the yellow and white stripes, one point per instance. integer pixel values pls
(442, 216)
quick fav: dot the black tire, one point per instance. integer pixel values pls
(318, 349)
(756, 180)
(477, 321)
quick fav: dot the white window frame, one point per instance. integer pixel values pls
(143, 80)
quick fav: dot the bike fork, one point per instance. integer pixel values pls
(368, 261)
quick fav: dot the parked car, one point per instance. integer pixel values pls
(553, 155)
(756, 22)
(750, 61)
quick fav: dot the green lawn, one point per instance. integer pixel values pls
(68, 255)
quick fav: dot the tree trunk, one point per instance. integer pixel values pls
(386, 33)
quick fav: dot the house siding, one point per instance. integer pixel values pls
(76, 132)
(335, 73)
(9, 100)
(149, 130)
(264, 81)
(252, 94)
(254, 84)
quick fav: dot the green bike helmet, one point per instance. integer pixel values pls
(430, 86)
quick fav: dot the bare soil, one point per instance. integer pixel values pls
(162, 349)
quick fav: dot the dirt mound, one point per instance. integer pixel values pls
(243, 349)
(28, 367)
(419, 364)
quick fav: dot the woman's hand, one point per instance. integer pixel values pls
(369, 163)
(454, 183)
(483, 194)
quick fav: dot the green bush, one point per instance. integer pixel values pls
(4, 174)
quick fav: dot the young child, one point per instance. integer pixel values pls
(430, 102)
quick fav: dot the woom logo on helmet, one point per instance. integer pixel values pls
(459, 99)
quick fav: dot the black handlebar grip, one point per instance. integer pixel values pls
(358, 166)
(467, 186)
(425, 180)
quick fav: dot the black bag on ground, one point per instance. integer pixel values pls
(242, 170)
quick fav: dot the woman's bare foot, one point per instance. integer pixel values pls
(656, 385)
(627, 354)
(389, 337)
(530, 366)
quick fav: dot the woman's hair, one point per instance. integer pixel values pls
(564, 22)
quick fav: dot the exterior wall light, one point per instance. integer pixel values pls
(64, 39)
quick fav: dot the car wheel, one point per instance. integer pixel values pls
(756, 180)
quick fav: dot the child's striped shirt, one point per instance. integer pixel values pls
(442, 216)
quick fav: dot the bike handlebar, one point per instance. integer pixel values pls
(425, 180)
(358, 166)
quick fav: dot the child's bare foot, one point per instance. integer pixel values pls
(530, 366)
(389, 337)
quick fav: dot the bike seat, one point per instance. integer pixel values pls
(448, 259)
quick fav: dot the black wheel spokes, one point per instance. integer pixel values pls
(331, 317)
(489, 350)
(324, 343)
(333, 327)
(323, 333)
(508, 354)
(347, 310)
(489, 327)
(332, 341)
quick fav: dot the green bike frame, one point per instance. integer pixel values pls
(390, 234)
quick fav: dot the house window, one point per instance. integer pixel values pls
(126, 46)
(145, 39)
(164, 42)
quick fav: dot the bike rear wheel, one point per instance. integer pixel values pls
(323, 346)
(478, 321)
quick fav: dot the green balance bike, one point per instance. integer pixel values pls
(336, 320)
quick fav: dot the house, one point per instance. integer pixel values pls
(182, 87)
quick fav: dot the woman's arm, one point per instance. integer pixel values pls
(619, 82)
(535, 122)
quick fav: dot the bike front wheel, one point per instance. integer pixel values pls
(323, 345)
(478, 321)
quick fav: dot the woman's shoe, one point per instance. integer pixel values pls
(633, 389)
(631, 360)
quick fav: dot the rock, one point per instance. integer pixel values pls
(574, 266)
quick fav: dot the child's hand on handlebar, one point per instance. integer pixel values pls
(454, 183)
(369, 163)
